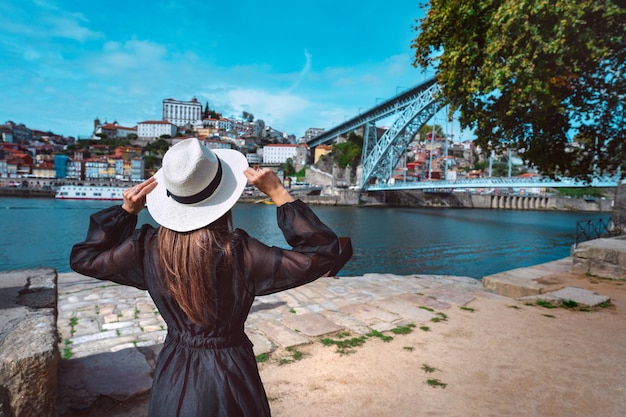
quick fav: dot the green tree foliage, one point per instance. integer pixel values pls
(348, 153)
(532, 75)
(288, 167)
(426, 131)
(158, 147)
(248, 117)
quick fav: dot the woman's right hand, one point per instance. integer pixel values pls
(135, 197)
(268, 183)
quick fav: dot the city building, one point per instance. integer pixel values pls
(182, 113)
(154, 129)
(216, 144)
(113, 130)
(321, 150)
(279, 153)
(253, 158)
(311, 133)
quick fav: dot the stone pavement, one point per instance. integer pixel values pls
(111, 334)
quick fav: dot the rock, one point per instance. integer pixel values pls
(119, 375)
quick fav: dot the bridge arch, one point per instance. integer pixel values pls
(412, 109)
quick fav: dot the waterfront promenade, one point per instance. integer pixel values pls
(113, 333)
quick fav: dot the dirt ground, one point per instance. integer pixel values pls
(502, 358)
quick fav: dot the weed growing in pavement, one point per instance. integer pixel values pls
(67, 350)
(409, 348)
(346, 344)
(567, 304)
(73, 323)
(470, 309)
(427, 308)
(376, 333)
(403, 329)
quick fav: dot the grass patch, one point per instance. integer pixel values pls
(403, 329)
(428, 369)
(346, 344)
(470, 309)
(427, 308)
(568, 304)
(376, 333)
(435, 383)
(439, 316)
(263, 357)
(409, 348)
(296, 355)
(425, 328)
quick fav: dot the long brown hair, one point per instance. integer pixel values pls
(191, 262)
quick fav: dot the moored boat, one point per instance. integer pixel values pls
(89, 192)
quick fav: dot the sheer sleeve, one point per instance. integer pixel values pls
(112, 250)
(315, 250)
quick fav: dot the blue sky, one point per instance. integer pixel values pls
(294, 64)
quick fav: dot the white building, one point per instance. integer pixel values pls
(278, 154)
(154, 129)
(137, 169)
(311, 133)
(219, 124)
(115, 131)
(253, 158)
(182, 113)
(216, 144)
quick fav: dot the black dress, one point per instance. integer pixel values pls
(208, 371)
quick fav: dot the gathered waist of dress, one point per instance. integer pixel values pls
(201, 341)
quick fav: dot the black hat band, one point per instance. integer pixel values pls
(205, 193)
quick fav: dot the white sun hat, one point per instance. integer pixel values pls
(196, 185)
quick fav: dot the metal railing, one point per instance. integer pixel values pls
(594, 229)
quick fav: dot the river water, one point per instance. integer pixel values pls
(465, 242)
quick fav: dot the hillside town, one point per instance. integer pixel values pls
(116, 154)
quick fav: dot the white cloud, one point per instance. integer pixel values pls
(68, 27)
(122, 58)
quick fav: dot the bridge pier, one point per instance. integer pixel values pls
(517, 202)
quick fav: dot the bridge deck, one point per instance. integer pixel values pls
(537, 182)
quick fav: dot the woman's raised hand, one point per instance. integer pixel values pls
(268, 183)
(135, 197)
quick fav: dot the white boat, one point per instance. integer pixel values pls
(89, 192)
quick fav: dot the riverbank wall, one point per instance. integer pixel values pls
(418, 198)
(410, 198)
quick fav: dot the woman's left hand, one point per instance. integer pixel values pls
(135, 197)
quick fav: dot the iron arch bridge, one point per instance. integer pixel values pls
(411, 110)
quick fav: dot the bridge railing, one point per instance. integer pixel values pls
(598, 228)
(496, 182)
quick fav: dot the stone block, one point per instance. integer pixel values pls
(29, 354)
(601, 257)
